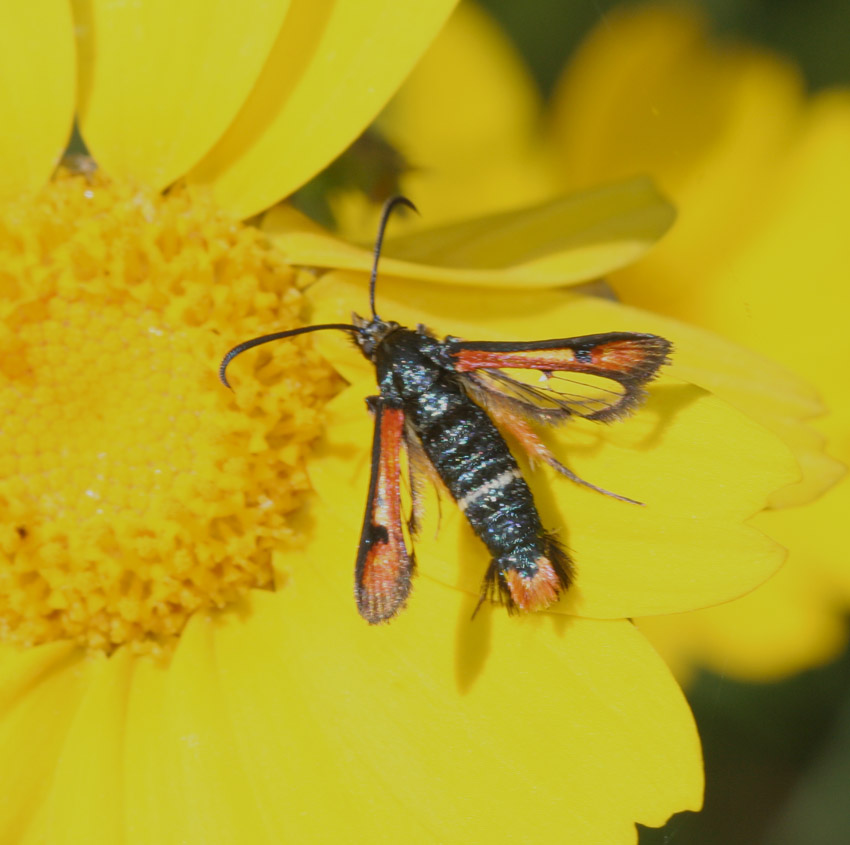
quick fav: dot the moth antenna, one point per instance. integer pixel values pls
(267, 338)
(389, 205)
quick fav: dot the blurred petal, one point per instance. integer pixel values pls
(720, 263)
(489, 111)
(784, 292)
(761, 178)
(398, 721)
(483, 154)
(161, 81)
(37, 79)
(632, 86)
(561, 242)
(332, 68)
(794, 621)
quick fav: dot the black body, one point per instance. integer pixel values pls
(468, 452)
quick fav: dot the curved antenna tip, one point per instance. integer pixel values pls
(389, 205)
(398, 199)
(267, 338)
(222, 373)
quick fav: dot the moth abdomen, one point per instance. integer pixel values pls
(530, 577)
(529, 570)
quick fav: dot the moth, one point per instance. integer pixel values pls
(449, 403)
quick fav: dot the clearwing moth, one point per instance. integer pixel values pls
(447, 403)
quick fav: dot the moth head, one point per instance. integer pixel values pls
(370, 333)
(367, 334)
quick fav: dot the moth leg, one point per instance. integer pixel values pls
(513, 421)
(419, 468)
(417, 465)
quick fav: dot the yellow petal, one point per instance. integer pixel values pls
(186, 779)
(332, 68)
(794, 621)
(86, 796)
(781, 290)
(37, 79)
(762, 389)
(154, 796)
(784, 291)
(626, 105)
(160, 82)
(218, 801)
(774, 396)
(561, 242)
(410, 730)
(488, 103)
(483, 154)
(40, 691)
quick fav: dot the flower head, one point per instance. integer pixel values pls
(125, 507)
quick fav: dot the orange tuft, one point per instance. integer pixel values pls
(537, 592)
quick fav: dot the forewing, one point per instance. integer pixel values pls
(384, 566)
(598, 376)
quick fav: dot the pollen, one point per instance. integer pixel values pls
(135, 490)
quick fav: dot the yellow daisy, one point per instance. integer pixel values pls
(153, 686)
(760, 176)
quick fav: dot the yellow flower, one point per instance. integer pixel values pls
(151, 689)
(760, 177)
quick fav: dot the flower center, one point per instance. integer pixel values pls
(134, 488)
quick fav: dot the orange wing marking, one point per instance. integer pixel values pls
(532, 359)
(384, 566)
(624, 356)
